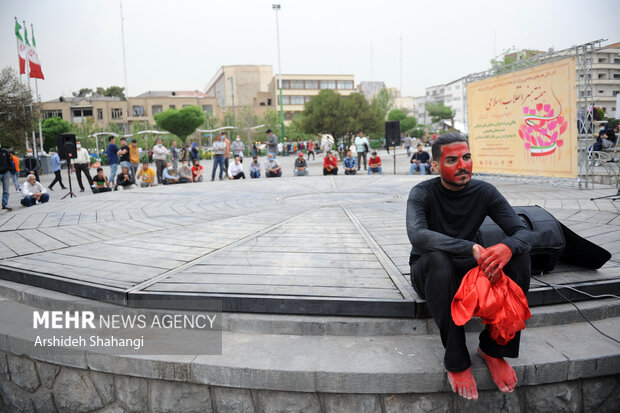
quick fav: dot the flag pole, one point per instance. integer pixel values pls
(21, 81)
(34, 138)
(36, 88)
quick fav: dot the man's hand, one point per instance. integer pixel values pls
(493, 260)
(477, 251)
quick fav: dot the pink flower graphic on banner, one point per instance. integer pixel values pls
(542, 129)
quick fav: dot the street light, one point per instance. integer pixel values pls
(276, 7)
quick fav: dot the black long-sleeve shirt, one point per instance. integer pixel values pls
(439, 219)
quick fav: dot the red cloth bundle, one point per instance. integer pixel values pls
(501, 306)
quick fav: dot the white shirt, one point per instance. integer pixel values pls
(234, 169)
(82, 156)
(28, 190)
(160, 152)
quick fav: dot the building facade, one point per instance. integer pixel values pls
(606, 79)
(245, 84)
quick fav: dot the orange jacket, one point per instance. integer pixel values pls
(16, 162)
(501, 306)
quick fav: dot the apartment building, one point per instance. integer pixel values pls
(606, 79)
(299, 89)
(247, 85)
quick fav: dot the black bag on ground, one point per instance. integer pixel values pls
(549, 241)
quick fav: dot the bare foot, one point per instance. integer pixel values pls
(502, 373)
(463, 384)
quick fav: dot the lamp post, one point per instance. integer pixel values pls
(276, 7)
(232, 91)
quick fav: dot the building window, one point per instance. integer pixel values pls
(138, 110)
(602, 60)
(79, 113)
(615, 93)
(296, 84)
(288, 115)
(286, 100)
(172, 107)
(601, 92)
(209, 108)
(616, 75)
(99, 114)
(186, 106)
(155, 109)
(268, 102)
(286, 84)
(307, 98)
(345, 84)
(117, 113)
(312, 84)
(602, 75)
(297, 100)
(616, 61)
(52, 114)
(328, 84)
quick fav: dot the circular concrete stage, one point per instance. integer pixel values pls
(327, 257)
(309, 245)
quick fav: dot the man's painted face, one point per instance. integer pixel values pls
(456, 164)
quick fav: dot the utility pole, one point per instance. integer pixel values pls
(232, 91)
(124, 65)
(276, 7)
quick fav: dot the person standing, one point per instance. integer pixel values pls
(219, 149)
(272, 143)
(160, 152)
(15, 174)
(81, 165)
(123, 154)
(311, 150)
(407, 141)
(362, 145)
(56, 165)
(174, 155)
(112, 152)
(134, 158)
(7, 167)
(226, 151)
(183, 153)
(31, 164)
(238, 148)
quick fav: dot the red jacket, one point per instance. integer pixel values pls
(330, 160)
(501, 306)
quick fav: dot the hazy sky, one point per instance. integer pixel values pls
(180, 44)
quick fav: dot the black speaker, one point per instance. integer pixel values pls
(66, 146)
(392, 133)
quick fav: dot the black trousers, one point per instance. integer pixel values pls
(360, 156)
(82, 168)
(311, 152)
(160, 164)
(332, 172)
(436, 276)
(57, 178)
(239, 175)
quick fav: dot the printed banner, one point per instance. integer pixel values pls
(524, 123)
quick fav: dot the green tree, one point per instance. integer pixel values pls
(51, 128)
(384, 101)
(322, 114)
(116, 91)
(83, 92)
(180, 122)
(407, 123)
(504, 58)
(271, 120)
(439, 111)
(16, 119)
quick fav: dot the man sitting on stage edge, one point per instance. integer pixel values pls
(443, 217)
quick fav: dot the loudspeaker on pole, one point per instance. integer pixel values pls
(67, 148)
(392, 133)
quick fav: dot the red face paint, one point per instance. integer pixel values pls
(455, 165)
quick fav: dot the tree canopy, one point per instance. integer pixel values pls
(439, 111)
(114, 91)
(51, 128)
(384, 100)
(16, 118)
(180, 122)
(407, 123)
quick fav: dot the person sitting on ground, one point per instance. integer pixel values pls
(301, 167)
(147, 174)
(350, 164)
(255, 168)
(185, 172)
(443, 217)
(420, 161)
(197, 171)
(330, 164)
(272, 167)
(235, 169)
(101, 182)
(374, 164)
(33, 192)
(124, 179)
(169, 175)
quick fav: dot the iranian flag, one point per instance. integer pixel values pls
(33, 58)
(22, 50)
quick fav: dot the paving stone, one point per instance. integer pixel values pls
(168, 397)
(287, 402)
(343, 403)
(4, 367)
(15, 399)
(490, 401)
(115, 408)
(74, 391)
(417, 403)
(47, 373)
(23, 372)
(44, 402)
(104, 383)
(233, 400)
(131, 393)
(601, 395)
(553, 398)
